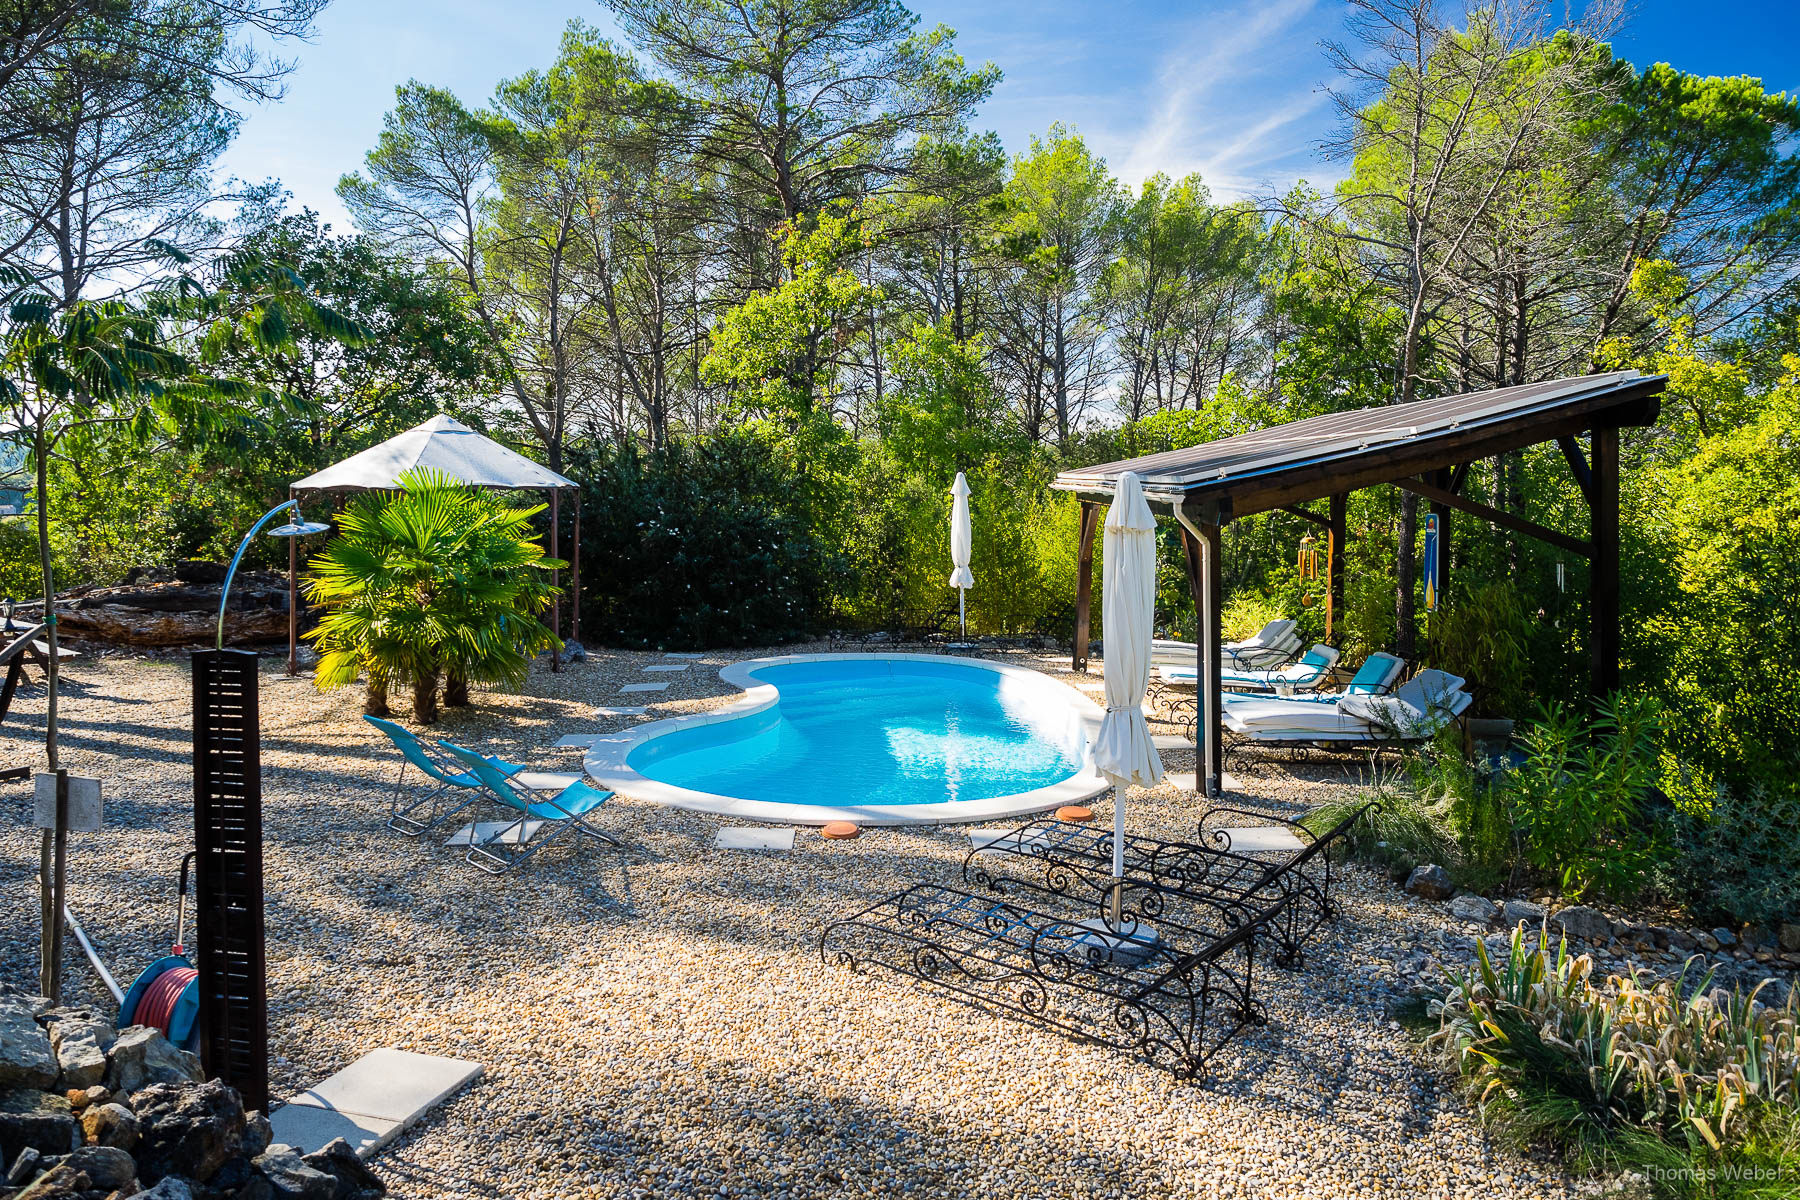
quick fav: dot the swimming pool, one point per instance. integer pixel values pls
(879, 739)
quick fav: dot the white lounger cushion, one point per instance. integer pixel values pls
(1421, 705)
(1308, 672)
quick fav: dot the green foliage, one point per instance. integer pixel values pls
(1584, 797)
(1627, 1072)
(1738, 857)
(699, 544)
(943, 413)
(21, 576)
(1481, 632)
(438, 578)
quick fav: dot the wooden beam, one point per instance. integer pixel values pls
(1505, 520)
(1578, 465)
(1307, 514)
(1084, 585)
(1604, 575)
(1458, 476)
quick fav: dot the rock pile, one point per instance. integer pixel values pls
(90, 1113)
(1753, 948)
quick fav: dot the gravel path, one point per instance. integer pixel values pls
(659, 1023)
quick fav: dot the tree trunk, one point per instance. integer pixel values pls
(456, 690)
(425, 699)
(375, 703)
(49, 974)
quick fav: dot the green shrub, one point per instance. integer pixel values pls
(1737, 857)
(1584, 798)
(21, 572)
(1628, 1072)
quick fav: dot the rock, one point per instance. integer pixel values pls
(187, 1129)
(574, 652)
(142, 1056)
(292, 1179)
(1724, 937)
(1683, 942)
(354, 1179)
(108, 1167)
(167, 1189)
(1757, 937)
(32, 1118)
(26, 1057)
(1517, 911)
(1707, 942)
(58, 1183)
(1431, 882)
(1583, 923)
(257, 1189)
(257, 1134)
(24, 1167)
(110, 1125)
(1477, 909)
(80, 1038)
(1788, 937)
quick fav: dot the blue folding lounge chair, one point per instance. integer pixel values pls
(448, 775)
(535, 806)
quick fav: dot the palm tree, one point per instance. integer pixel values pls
(439, 579)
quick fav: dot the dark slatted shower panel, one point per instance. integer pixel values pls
(234, 1013)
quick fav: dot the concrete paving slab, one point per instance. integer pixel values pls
(307, 1128)
(734, 837)
(620, 710)
(668, 666)
(577, 741)
(504, 833)
(1170, 741)
(684, 655)
(385, 1087)
(645, 687)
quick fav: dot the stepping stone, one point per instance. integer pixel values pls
(577, 741)
(1257, 839)
(371, 1101)
(1187, 781)
(620, 710)
(502, 833)
(737, 837)
(684, 656)
(645, 687)
(1091, 685)
(1170, 741)
(668, 666)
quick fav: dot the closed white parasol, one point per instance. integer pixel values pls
(1123, 751)
(962, 545)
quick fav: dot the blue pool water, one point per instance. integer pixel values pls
(877, 731)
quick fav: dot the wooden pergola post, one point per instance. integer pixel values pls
(1084, 585)
(1603, 508)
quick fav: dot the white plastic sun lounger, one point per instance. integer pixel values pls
(1273, 645)
(1313, 669)
(1414, 711)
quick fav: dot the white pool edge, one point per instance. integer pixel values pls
(605, 759)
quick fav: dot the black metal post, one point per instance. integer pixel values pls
(228, 884)
(59, 888)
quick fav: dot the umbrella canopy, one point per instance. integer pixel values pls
(1123, 751)
(442, 442)
(961, 536)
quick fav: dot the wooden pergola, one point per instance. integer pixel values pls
(1425, 447)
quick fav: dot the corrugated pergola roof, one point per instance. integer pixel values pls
(1322, 455)
(444, 443)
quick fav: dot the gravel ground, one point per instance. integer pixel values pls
(658, 1023)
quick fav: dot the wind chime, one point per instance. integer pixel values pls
(1310, 571)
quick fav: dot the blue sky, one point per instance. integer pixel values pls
(1229, 88)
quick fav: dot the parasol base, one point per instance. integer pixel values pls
(1129, 945)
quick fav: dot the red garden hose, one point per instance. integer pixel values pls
(158, 1005)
